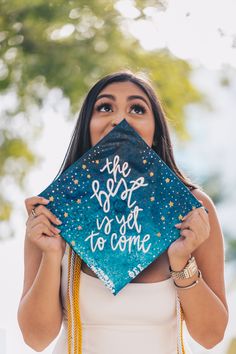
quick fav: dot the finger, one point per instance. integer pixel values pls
(40, 230)
(187, 215)
(192, 214)
(186, 233)
(180, 225)
(192, 238)
(194, 210)
(32, 201)
(42, 219)
(41, 209)
(185, 225)
(204, 211)
(189, 239)
(202, 207)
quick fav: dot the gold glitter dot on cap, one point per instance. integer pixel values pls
(180, 217)
(158, 234)
(97, 161)
(144, 161)
(88, 176)
(72, 243)
(65, 215)
(171, 204)
(51, 199)
(84, 167)
(162, 218)
(76, 181)
(167, 180)
(78, 201)
(79, 227)
(152, 199)
(151, 174)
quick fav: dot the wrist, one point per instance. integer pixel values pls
(187, 282)
(185, 276)
(178, 263)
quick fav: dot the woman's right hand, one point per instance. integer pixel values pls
(40, 229)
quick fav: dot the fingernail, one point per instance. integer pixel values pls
(177, 225)
(58, 230)
(58, 221)
(46, 200)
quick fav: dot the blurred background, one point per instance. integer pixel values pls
(53, 51)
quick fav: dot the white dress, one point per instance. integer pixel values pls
(141, 318)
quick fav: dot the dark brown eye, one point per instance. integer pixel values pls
(138, 108)
(103, 107)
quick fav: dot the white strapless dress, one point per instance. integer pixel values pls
(140, 319)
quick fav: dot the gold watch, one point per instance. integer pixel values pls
(187, 272)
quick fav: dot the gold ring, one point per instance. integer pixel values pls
(33, 213)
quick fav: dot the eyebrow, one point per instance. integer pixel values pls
(129, 98)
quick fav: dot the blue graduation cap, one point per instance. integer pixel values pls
(118, 204)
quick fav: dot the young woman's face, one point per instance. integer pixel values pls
(118, 101)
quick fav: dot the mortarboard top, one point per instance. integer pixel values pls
(118, 204)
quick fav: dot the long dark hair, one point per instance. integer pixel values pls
(80, 141)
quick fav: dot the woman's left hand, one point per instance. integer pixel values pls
(194, 230)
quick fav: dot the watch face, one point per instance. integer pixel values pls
(118, 204)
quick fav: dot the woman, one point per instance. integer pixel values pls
(128, 324)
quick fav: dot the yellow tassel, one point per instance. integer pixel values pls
(76, 307)
(180, 317)
(73, 310)
(69, 333)
(181, 330)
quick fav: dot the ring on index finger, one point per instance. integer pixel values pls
(33, 213)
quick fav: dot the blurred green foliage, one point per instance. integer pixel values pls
(70, 45)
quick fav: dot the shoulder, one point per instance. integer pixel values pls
(213, 218)
(204, 197)
(216, 234)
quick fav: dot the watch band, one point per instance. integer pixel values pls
(187, 272)
(190, 285)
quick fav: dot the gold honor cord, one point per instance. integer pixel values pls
(74, 332)
(180, 340)
(69, 329)
(76, 308)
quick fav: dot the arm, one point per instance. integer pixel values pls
(40, 311)
(204, 306)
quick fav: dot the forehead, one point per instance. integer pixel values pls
(125, 88)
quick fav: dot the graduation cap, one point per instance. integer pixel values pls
(118, 204)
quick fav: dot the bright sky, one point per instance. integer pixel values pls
(203, 31)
